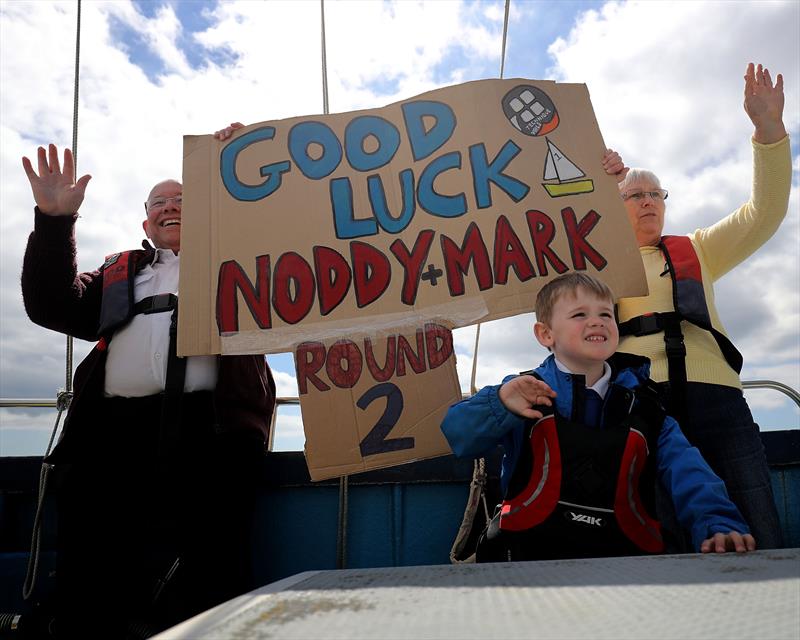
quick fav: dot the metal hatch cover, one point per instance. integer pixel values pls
(729, 596)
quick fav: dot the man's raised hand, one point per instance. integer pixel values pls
(55, 191)
(227, 132)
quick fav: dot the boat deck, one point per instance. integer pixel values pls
(755, 595)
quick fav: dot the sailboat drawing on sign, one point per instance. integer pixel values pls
(571, 180)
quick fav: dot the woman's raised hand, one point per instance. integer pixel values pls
(763, 103)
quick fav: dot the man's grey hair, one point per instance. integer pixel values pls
(639, 175)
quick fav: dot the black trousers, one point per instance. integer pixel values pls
(126, 516)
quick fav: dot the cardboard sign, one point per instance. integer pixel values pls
(455, 206)
(372, 402)
(353, 239)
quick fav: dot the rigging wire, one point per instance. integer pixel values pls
(472, 388)
(64, 396)
(477, 491)
(325, 109)
(341, 532)
(505, 34)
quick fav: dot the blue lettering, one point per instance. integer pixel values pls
(435, 203)
(377, 198)
(306, 133)
(272, 172)
(425, 142)
(359, 130)
(344, 221)
(484, 172)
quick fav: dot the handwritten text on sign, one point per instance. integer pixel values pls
(359, 240)
(394, 390)
(476, 193)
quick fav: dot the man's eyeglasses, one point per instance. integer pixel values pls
(160, 203)
(658, 194)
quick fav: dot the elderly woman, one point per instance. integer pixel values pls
(677, 325)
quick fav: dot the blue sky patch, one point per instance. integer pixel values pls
(384, 86)
(194, 17)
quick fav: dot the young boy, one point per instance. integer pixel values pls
(585, 441)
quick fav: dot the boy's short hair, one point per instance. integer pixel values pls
(568, 283)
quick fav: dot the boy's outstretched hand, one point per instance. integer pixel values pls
(732, 541)
(524, 392)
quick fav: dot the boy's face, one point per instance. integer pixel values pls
(582, 332)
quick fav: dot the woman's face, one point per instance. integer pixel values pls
(645, 212)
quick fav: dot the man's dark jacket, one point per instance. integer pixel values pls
(57, 297)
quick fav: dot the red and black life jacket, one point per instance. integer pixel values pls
(580, 491)
(117, 308)
(690, 304)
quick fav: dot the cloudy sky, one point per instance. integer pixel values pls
(665, 80)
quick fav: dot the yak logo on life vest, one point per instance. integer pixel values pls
(585, 519)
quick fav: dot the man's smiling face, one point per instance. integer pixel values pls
(163, 223)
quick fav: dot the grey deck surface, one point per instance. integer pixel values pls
(729, 596)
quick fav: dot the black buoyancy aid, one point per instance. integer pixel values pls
(578, 491)
(690, 304)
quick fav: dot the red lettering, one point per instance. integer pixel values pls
(412, 263)
(307, 369)
(341, 352)
(457, 260)
(371, 272)
(509, 252)
(232, 278)
(381, 374)
(438, 344)
(543, 230)
(576, 234)
(344, 361)
(292, 272)
(405, 352)
(333, 278)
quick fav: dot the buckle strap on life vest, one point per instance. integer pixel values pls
(689, 296)
(159, 303)
(674, 346)
(169, 434)
(690, 304)
(119, 272)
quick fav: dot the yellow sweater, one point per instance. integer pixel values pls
(719, 248)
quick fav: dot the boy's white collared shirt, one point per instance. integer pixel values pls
(601, 386)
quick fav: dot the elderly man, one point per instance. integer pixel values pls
(159, 455)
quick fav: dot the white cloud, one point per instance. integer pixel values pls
(665, 80)
(666, 84)
(285, 384)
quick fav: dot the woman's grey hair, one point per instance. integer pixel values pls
(639, 175)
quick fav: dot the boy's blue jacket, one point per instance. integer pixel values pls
(474, 427)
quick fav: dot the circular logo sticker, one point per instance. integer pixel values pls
(530, 110)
